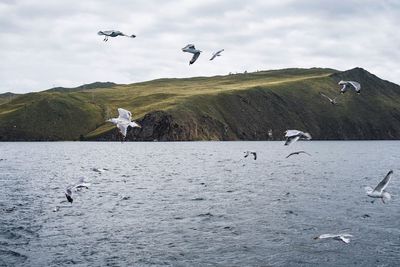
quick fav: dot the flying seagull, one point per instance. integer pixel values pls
(296, 153)
(191, 49)
(341, 237)
(217, 54)
(294, 135)
(347, 84)
(99, 170)
(247, 153)
(113, 33)
(333, 101)
(123, 121)
(379, 191)
(79, 185)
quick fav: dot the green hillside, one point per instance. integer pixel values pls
(232, 107)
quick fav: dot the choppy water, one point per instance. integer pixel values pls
(197, 204)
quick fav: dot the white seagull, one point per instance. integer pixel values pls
(294, 135)
(379, 191)
(113, 33)
(123, 121)
(79, 185)
(333, 101)
(191, 49)
(341, 237)
(346, 84)
(247, 153)
(217, 54)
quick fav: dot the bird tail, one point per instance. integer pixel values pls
(100, 33)
(386, 197)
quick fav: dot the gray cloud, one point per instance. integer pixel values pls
(54, 43)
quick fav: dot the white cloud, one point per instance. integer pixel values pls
(55, 43)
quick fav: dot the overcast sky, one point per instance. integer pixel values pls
(50, 43)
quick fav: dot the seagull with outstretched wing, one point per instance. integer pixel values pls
(124, 121)
(295, 135)
(347, 84)
(379, 191)
(77, 186)
(113, 33)
(247, 153)
(345, 238)
(190, 48)
(216, 54)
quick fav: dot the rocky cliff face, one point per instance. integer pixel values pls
(264, 113)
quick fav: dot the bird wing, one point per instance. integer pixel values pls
(291, 140)
(255, 155)
(194, 58)
(124, 114)
(326, 96)
(122, 128)
(356, 85)
(343, 88)
(108, 33)
(189, 46)
(290, 133)
(213, 56)
(306, 136)
(68, 191)
(134, 124)
(344, 239)
(247, 154)
(384, 183)
(291, 154)
(323, 236)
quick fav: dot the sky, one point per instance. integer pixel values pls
(47, 43)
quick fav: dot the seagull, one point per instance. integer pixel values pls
(333, 101)
(346, 84)
(77, 186)
(123, 121)
(294, 135)
(101, 170)
(217, 54)
(113, 33)
(341, 237)
(296, 153)
(191, 49)
(247, 153)
(379, 191)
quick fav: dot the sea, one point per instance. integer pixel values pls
(198, 204)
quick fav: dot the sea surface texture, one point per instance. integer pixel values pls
(198, 204)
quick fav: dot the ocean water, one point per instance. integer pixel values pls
(198, 204)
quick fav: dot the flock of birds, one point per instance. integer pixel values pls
(190, 48)
(124, 121)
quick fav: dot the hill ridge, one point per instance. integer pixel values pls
(229, 107)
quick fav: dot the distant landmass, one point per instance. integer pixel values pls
(248, 106)
(95, 85)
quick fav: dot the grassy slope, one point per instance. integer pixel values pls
(240, 106)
